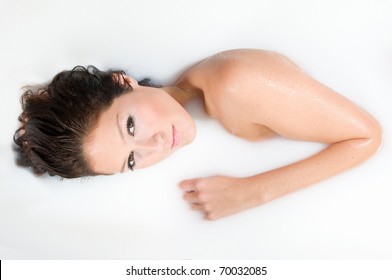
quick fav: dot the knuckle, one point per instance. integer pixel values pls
(208, 208)
(199, 184)
(201, 196)
(211, 216)
(188, 196)
(194, 206)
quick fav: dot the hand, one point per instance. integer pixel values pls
(218, 196)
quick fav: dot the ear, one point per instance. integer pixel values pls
(131, 81)
(124, 78)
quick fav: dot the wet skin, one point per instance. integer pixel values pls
(255, 94)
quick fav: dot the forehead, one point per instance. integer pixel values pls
(103, 147)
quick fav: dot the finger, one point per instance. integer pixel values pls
(191, 197)
(196, 207)
(188, 185)
(210, 216)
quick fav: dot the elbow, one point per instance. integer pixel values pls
(377, 137)
(374, 138)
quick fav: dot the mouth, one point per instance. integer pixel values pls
(175, 139)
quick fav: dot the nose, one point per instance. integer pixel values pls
(150, 144)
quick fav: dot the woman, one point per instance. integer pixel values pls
(88, 122)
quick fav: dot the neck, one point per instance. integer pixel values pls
(181, 94)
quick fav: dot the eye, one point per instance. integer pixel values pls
(131, 161)
(131, 131)
(131, 126)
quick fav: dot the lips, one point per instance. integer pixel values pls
(175, 140)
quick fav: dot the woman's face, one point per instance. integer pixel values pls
(139, 129)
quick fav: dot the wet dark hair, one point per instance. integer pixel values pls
(57, 118)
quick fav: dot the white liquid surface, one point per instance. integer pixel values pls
(142, 215)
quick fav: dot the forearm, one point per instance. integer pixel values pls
(220, 196)
(334, 159)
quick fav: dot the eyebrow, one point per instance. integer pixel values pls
(123, 139)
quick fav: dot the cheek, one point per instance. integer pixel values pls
(149, 161)
(154, 115)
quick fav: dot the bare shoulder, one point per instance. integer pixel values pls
(234, 84)
(237, 72)
(220, 69)
(257, 90)
(241, 76)
(233, 59)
